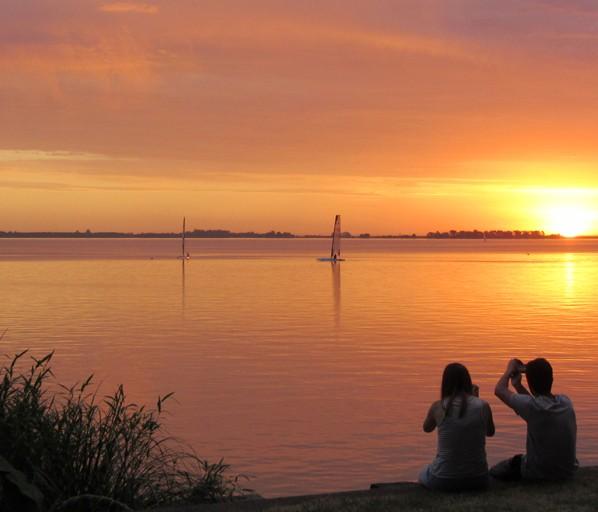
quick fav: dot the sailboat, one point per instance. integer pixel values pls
(335, 249)
(184, 255)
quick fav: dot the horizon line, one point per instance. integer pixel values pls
(222, 233)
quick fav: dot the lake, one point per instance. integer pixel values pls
(308, 376)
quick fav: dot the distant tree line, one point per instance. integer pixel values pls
(490, 234)
(198, 233)
(367, 235)
(223, 233)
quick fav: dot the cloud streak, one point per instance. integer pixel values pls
(36, 155)
(126, 7)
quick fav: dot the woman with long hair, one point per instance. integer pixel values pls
(463, 421)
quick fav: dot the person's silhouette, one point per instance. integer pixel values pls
(463, 422)
(551, 424)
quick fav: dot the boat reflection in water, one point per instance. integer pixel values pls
(336, 289)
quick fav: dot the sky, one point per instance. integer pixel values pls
(402, 116)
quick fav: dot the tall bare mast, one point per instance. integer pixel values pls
(183, 240)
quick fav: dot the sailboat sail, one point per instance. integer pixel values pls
(335, 250)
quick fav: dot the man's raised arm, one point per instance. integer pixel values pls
(502, 390)
(516, 381)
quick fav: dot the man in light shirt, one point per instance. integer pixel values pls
(551, 424)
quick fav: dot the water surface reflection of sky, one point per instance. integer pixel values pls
(308, 375)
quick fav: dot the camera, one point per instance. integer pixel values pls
(520, 367)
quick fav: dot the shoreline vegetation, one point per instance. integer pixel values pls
(222, 233)
(65, 449)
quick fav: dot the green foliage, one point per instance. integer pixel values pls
(70, 443)
(91, 503)
(17, 492)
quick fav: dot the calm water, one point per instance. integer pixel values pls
(309, 376)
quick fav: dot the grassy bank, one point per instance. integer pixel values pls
(579, 495)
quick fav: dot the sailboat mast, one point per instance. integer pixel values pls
(183, 238)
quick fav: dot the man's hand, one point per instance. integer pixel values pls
(513, 367)
(516, 379)
(502, 390)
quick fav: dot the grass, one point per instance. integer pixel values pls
(579, 495)
(68, 442)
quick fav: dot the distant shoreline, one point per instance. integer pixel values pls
(224, 234)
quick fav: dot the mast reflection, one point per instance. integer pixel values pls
(336, 291)
(183, 286)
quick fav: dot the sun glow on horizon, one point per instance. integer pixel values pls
(570, 220)
(567, 211)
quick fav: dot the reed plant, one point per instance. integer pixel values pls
(68, 442)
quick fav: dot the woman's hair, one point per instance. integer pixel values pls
(456, 382)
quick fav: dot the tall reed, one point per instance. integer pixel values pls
(69, 443)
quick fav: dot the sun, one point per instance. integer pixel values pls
(570, 220)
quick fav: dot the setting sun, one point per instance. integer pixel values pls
(570, 220)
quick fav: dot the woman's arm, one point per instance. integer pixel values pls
(490, 429)
(434, 417)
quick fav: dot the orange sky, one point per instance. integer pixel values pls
(404, 116)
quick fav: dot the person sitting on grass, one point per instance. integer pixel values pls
(463, 422)
(551, 424)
